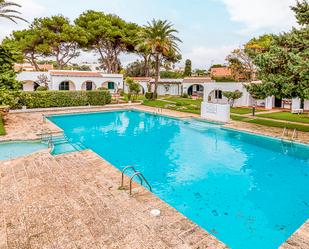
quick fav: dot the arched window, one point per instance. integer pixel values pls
(111, 85)
(89, 85)
(64, 86)
(218, 94)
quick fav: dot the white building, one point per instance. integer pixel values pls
(71, 80)
(212, 92)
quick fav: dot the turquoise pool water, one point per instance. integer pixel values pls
(10, 150)
(251, 192)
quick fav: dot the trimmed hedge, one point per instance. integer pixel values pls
(45, 99)
(2, 130)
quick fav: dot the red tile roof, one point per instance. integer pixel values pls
(221, 72)
(29, 67)
(76, 73)
(197, 80)
(141, 78)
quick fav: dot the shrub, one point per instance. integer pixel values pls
(9, 98)
(102, 89)
(2, 130)
(185, 95)
(133, 87)
(99, 97)
(121, 93)
(149, 95)
(232, 96)
(45, 99)
(42, 88)
(129, 96)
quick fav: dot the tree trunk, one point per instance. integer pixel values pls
(33, 62)
(156, 77)
(146, 66)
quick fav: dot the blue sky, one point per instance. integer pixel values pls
(209, 29)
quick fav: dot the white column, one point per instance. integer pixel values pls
(306, 104)
(269, 103)
(295, 103)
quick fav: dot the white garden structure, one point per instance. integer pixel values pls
(71, 80)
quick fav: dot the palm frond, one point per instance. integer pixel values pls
(10, 14)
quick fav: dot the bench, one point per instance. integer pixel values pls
(297, 111)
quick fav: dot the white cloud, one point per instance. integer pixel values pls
(30, 9)
(273, 15)
(203, 57)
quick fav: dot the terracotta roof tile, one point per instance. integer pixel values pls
(141, 78)
(76, 73)
(197, 80)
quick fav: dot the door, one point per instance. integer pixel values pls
(88, 85)
(278, 102)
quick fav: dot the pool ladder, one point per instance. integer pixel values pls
(285, 133)
(158, 110)
(136, 174)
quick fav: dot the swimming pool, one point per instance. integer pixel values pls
(251, 192)
(11, 150)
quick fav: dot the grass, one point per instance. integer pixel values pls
(193, 106)
(188, 105)
(271, 123)
(287, 116)
(176, 104)
(185, 101)
(2, 130)
(241, 110)
(138, 97)
(155, 103)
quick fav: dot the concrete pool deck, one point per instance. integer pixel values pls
(73, 201)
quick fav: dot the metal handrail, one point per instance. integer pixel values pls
(142, 176)
(124, 170)
(295, 134)
(285, 132)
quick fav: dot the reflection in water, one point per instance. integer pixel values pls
(251, 192)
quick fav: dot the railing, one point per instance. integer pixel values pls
(295, 134)
(285, 133)
(136, 173)
(122, 175)
(139, 174)
(158, 110)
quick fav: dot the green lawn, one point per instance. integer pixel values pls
(271, 123)
(243, 110)
(155, 103)
(176, 104)
(301, 118)
(2, 130)
(184, 101)
(193, 106)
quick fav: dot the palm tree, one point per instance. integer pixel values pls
(159, 36)
(8, 13)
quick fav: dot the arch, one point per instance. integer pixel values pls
(66, 85)
(88, 85)
(35, 85)
(216, 96)
(143, 91)
(110, 85)
(29, 85)
(195, 89)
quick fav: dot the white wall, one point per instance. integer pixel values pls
(215, 112)
(28, 86)
(31, 76)
(169, 89)
(306, 105)
(209, 89)
(78, 82)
